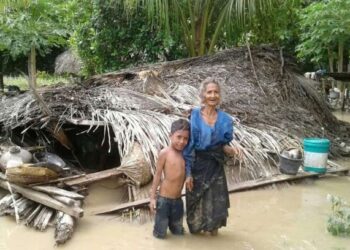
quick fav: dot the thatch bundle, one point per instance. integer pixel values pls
(135, 167)
(276, 109)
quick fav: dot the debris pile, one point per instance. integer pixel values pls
(31, 199)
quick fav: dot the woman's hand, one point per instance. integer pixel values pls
(233, 151)
(189, 183)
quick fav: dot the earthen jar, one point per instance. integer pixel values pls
(15, 157)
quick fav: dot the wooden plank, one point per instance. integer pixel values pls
(117, 208)
(58, 191)
(233, 188)
(44, 199)
(89, 178)
(59, 180)
(281, 178)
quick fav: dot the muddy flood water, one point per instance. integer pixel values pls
(284, 217)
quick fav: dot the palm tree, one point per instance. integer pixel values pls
(201, 22)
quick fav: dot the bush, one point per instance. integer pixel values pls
(339, 220)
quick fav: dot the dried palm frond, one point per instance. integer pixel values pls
(150, 129)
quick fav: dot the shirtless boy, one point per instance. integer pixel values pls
(168, 205)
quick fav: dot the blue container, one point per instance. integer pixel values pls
(316, 154)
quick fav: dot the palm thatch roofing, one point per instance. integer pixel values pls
(274, 106)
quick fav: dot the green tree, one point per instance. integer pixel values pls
(28, 27)
(279, 27)
(107, 38)
(204, 25)
(325, 32)
(326, 35)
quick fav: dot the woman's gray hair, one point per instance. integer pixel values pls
(204, 85)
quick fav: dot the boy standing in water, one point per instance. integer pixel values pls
(168, 205)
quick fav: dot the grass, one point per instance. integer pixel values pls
(43, 79)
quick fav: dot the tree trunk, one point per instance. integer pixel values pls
(2, 67)
(32, 81)
(340, 69)
(1, 82)
(340, 56)
(330, 60)
(32, 68)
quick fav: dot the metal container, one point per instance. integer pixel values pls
(288, 165)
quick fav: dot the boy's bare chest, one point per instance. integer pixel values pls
(175, 167)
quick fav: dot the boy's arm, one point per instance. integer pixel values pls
(156, 179)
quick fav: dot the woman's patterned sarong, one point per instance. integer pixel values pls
(207, 205)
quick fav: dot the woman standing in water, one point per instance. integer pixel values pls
(207, 199)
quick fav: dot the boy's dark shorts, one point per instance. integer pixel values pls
(169, 212)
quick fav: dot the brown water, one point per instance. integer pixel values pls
(342, 115)
(292, 217)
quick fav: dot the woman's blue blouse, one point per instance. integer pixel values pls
(204, 136)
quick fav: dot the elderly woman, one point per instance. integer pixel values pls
(207, 199)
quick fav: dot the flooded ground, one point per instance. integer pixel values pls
(342, 115)
(292, 217)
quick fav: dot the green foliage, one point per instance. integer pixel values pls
(31, 23)
(107, 38)
(206, 25)
(279, 27)
(324, 24)
(339, 220)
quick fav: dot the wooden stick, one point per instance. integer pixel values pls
(33, 215)
(28, 211)
(46, 219)
(255, 75)
(45, 199)
(63, 179)
(39, 217)
(89, 178)
(282, 60)
(68, 201)
(58, 191)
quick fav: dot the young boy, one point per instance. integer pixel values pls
(168, 205)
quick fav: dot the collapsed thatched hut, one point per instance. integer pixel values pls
(102, 118)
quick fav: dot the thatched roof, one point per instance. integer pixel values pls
(276, 110)
(287, 101)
